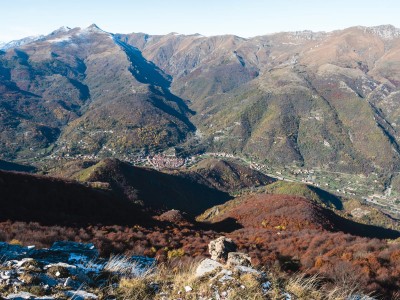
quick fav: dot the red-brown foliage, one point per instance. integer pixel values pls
(276, 230)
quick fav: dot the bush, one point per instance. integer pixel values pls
(176, 253)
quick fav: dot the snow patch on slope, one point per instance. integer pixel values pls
(65, 34)
(19, 43)
(65, 38)
(94, 29)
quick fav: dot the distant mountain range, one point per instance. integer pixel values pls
(312, 99)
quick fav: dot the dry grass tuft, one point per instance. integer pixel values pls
(304, 288)
(136, 289)
(176, 280)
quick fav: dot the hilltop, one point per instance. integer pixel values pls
(229, 176)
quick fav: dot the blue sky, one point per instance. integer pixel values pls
(245, 18)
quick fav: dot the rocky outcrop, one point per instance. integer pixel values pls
(238, 259)
(237, 268)
(67, 270)
(206, 266)
(220, 248)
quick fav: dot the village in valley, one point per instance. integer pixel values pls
(369, 189)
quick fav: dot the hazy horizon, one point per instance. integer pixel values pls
(246, 19)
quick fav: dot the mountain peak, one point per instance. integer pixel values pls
(95, 29)
(94, 26)
(62, 29)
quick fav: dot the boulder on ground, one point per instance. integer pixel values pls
(77, 250)
(80, 295)
(238, 259)
(220, 248)
(207, 266)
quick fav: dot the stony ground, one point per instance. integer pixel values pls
(70, 270)
(67, 270)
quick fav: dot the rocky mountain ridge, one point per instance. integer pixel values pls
(75, 88)
(92, 93)
(19, 43)
(272, 97)
(325, 102)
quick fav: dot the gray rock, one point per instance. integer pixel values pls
(82, 276)
(287, 296)
(65, 266)
(80, 295)
(207, 266)
(68, 281)
(47, 256)
(13, 251)
(265, 286)
(60, 264)
(223, 274)
(225, 278)
(66, 252)
(29, 264)
(60, 270)
(23, 261)
(188, 289)
(220, 248)
(5, 282)
(47, 280)
(360, 297)
(238, 259)
(244, 270)
(21, 296)
(88, 251)
(6, 274)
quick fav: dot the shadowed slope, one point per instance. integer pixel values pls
(153, 189)
(9, 166)
(54, 201)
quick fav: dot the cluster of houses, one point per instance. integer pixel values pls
(220, 154)
(159, 161)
